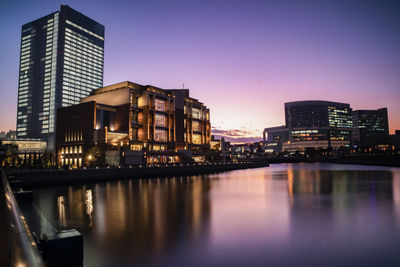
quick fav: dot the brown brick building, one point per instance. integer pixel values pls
(141, 122)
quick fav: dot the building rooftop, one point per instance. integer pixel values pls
(314, 103)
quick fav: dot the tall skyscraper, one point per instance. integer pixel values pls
(61, 61)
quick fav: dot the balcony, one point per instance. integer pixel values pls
(135, 124)
(135, 108)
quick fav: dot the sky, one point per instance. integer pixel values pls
(243, 59)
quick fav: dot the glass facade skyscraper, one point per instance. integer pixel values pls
(61, 61)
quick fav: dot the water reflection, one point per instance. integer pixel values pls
(286, 215)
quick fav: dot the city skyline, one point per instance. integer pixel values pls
(245, 60)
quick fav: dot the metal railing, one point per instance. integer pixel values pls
(17, 243)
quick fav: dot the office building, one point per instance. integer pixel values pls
(61, 61)
(370, 126)
(318, 124)
(144, 123)
(273, 137)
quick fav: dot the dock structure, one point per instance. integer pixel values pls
(39, 178)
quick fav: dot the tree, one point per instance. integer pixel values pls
(11, 156)
(95, 157)
(46, 160)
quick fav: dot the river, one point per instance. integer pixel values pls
(282, 215)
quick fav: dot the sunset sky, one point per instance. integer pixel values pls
(243, 59)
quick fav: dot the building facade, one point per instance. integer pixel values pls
(141, 122)
(274, 137)
(370, 126)
(318, 124)
(61, 61)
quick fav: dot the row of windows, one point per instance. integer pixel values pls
(84, 53)
(76, 44)
(88, 54)
(82, 39)
(84, 68)
(74, 41)
(25, 83)
(78, 82)
(72, 94)
(22, 96)
(26, 36)
(77, 68)
(25, 53)
(26, 56)
(26, 59)
(70, 88)
(85, 30)
(84, 64)
(85, 76)
(26, 46)
(93, 64)
(26, 64)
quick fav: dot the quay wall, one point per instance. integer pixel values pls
(40, 178)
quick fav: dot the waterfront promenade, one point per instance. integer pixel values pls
(38, 178)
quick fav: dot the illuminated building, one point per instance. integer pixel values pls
(27, 149)
(273, 138)
(61, 61)
(317, 124)
(193, 128)
(141, 122)
(369, 126)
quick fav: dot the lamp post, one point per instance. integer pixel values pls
(89, 158)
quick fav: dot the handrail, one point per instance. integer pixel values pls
(22, 249)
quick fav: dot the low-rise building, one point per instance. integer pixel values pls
(144, 123)
(26, 149)
(273, 137)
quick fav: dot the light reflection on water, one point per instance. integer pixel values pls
(284, 215)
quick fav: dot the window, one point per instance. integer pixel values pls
(161, 120)
(159, 105)
(160, 135)
(196, 113)
(196, 139)
(196, 126)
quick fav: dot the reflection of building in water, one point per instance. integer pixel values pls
(89, 205)
(329, 206)
(307, 181)
(148, 215)
(396, 195)
(62, 221)
(304, 181)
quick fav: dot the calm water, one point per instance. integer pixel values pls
(283, 215)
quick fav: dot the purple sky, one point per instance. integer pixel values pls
(243, 59)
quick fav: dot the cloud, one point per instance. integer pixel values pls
(236, 135)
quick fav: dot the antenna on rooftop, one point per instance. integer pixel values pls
(183, 85)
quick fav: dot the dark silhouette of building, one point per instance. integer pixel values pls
(370, 126)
